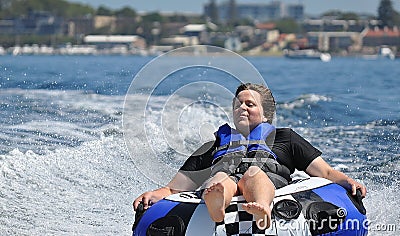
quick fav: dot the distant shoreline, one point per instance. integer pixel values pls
(90, 50)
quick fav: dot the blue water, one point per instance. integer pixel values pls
(66, 168)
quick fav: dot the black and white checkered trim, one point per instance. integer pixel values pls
(238, 222)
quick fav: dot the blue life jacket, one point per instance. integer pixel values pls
(232, 141)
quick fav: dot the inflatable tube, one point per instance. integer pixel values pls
(313, 206)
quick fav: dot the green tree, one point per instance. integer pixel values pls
(287, 25)
(386, 13)
(126, 12)
(61, 8)
(5, 4)
(349, 16)
(104, 11)
(331, 13)
(153, 17)
(177, 18)
(148, 24)
(341, 15)
(77, 10)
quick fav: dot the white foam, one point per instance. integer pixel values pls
(305, 100)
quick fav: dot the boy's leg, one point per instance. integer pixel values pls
(259, 191)
(218, 194)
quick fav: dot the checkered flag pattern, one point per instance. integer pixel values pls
(240, 223)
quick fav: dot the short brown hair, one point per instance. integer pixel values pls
(267, 100)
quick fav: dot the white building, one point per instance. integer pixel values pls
(114, 40)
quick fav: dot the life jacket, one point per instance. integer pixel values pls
(237, 153)
(233, 141)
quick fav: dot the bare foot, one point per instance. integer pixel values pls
(261, 213)
(215, 202)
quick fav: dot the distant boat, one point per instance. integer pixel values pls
(386, 52)
(307, 54)
(383, 53)
(2, 51)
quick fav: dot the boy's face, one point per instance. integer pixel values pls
(247, 111)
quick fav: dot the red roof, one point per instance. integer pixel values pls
(267, 26)
(383, 33)
(282, 36)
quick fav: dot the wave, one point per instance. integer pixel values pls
(46, 119)
(357, 148)
(394, 124)
(304, 100)
(89, 187)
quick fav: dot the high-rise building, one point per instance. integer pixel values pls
(259, 12)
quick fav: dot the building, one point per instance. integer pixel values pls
(348, 35)
(36, 22)
(9, 26)
(109, 41)
(176, 41)
(79, 26)
(377, 37)
(334, 41)
(295, 11)
(259, 12)
(196, 30)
